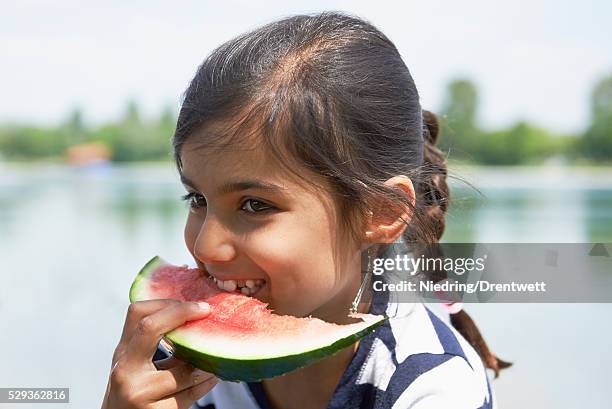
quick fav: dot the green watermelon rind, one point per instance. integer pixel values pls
(253, 370)
(147, 269)
(245, 370)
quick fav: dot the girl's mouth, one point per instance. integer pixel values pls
(246, 287)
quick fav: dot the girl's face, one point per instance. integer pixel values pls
(250, 221)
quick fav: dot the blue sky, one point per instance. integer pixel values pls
(535, 60)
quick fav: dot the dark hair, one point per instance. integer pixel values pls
(333, 92)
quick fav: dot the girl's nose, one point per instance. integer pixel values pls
(214, 242)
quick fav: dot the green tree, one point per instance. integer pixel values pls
(164, 129)
(520, 144)
(129, 138)
(597, 141)
(133, 139)
(132, 113)
(26, 142)
(73, 131)
(460, 133)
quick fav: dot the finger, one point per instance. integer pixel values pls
(137, 311)
(150, 329)
(185, 398)
(163, 384)
(168, 363)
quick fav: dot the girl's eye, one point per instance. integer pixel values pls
(195, 200)
(255, 206)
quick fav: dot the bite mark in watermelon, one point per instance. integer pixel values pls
(241, 339)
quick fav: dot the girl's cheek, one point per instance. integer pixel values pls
(192, 229)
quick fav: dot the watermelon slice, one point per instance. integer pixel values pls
(241, 339)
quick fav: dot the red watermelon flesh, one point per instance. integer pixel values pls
(241, 339)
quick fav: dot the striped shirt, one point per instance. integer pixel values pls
(414, 360)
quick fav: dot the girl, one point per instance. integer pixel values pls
(302, 144)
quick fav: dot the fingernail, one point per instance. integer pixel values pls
(204, 306)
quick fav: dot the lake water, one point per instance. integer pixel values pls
(72, 240)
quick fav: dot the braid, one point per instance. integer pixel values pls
(433, 192)
(433, 187)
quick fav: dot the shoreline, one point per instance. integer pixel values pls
(460, 176)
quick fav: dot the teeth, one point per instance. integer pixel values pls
(229, 286)
(246, 287)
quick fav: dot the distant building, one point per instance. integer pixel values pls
(86, 154)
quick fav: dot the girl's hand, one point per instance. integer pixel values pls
(134, 380)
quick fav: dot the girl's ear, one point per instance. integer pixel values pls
(387, 222)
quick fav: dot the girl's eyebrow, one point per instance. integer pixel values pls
(239, 185)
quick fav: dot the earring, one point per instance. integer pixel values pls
(364, 284)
